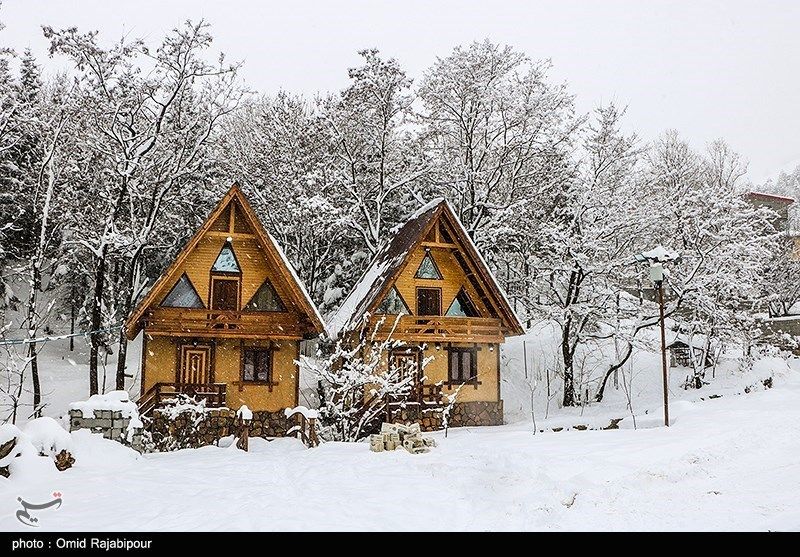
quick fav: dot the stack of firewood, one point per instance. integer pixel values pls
(393, 436)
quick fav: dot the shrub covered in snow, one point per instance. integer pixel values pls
(51, 440)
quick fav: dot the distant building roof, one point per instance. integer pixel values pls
(761, 196)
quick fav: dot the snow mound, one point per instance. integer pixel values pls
(116, 401)
(308, 413)
(92, 450)
(48, 437)
(244, 413)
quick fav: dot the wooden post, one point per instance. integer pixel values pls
(244, 434)
(525, 356)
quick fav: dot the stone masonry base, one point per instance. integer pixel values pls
(188, 430)
(476, 413)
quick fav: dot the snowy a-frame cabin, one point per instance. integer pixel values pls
(450, 307)
(225, 320)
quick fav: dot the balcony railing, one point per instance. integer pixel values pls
(442, 328)
(219, 322)
(156, 396)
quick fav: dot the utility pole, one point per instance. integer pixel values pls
(665, 376)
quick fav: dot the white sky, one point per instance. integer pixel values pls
(707, 68)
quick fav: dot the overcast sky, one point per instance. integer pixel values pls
(709, 69)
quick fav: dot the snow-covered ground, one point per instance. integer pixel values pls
(726, 464)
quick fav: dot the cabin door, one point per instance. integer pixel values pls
(225, 294)
(407, 363)
(195, 366)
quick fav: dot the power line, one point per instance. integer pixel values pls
(14, 341)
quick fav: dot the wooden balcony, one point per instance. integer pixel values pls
(214, 395)
(442, 329)
(216, 323)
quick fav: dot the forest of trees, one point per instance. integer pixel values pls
(108, 168)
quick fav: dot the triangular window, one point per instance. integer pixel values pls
(462, 306)
(265, 299)
(226, 261)
(183, 295)
(393, 304)
(428, 269)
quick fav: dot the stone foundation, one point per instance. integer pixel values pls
(190, 429)
(111, 424)
(427, 418)
(476, 413)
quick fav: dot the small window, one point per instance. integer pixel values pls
(462, 365)
(393, 304)
(226, 261)
(257, 365)
(462, 306)
(183, 295)
(265, 299)
(429, 301)
(428, 269)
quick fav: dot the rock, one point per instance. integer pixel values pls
(64, 460)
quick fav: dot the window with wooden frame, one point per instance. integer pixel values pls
(393, 304)
(257, 365)
(225, 281)
(462, 306)
(429, 301)
(428, 269)
(462, 365)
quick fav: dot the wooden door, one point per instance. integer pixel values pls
(429, 301)
(408, 365)
(225, 294)
(195, 366)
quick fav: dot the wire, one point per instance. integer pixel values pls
(14, 341)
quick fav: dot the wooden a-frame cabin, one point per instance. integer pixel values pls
(451, 308)
(224, 322)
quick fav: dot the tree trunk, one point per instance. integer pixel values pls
(567, 354)
(97, 319)
(611, 369)
(33, 326)
(122, 354)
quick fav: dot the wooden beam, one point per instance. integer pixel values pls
(221, 335)
(221, 234)
(438, 245)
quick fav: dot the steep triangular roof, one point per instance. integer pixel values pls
(387, 264)
(265, 240)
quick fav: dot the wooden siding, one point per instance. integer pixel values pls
(453, 279)
(161, 364)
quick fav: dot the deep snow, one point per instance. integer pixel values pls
(726, 464)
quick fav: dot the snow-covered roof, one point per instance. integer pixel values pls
(763, 196)
(696, 341)
(392, 256)
(301, 285)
